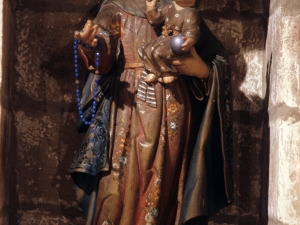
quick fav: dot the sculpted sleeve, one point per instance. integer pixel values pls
(108, 36)
(156, 17)
(208, 47)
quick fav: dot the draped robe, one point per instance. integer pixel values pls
(162, 164)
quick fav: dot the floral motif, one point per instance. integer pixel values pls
(173, 125)
(172, 108)
(105, 222)
(157, 181)
(123, 160)
(116, 166)
(116, 175)
(149, 218)
(154, 212)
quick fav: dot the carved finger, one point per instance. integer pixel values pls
(176, 63)
(93, 34)
(77, 35)
(94, 42)
(88, 22)
(86, 32)
(185, 44)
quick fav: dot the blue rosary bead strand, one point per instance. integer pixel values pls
(77, 82)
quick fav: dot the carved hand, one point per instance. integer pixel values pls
(150, 4)
(192, 65)
(87, 35)
(188, 44)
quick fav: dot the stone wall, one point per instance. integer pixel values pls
(44, 125)
(283, 57)
(44, 138)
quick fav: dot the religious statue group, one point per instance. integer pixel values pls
(157, 119)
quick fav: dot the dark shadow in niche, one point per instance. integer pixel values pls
(250, 117)
(266, 149)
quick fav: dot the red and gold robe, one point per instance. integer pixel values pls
(153, 165)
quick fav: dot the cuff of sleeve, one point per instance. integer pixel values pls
(203, 85)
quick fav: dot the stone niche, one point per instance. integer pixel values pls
(38, 114)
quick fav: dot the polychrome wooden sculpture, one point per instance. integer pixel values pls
(152, 154)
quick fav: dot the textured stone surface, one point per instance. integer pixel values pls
(44, 111)
(283, 54)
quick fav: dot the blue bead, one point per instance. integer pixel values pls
(75, 56)
(79, 104)
(93, 115)
(92, 130)
(75, 61)
(75, 52)
(76, 65)
(94, 107)
(97, 53)
(96, 80)
(81, 116)
(87, 123)
(92, 140)
(93, 112)
(78, 100)
(94, 103)
(77, 90)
